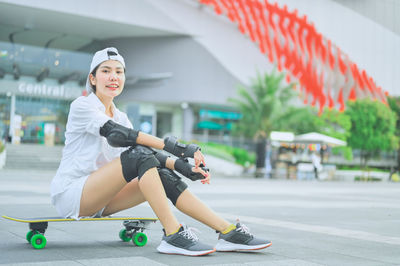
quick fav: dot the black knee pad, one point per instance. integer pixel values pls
(173, 185)
(136, 161)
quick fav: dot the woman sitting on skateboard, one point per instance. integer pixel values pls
(107, 167)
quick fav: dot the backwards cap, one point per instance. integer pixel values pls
(99, 57)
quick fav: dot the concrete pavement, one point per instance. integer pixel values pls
(309, 223)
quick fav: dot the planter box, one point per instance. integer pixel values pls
(351, 175)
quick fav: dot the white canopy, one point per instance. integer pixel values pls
(315, 137)
(282, 136)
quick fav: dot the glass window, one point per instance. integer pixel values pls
(36, 112)
(5, 103)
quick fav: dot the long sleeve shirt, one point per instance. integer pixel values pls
(85, 150)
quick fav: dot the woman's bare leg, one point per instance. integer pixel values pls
(189, 204)
(104, 184)
(153, 190)
(130, 196)
(101, 187)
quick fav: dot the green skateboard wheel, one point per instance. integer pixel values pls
(124, 237)
(29, 236)
(38, 241)
(140, 239)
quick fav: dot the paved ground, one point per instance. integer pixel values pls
(309, 223)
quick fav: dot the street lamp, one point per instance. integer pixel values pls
(16, 71)
(43, 74)
(2, 73)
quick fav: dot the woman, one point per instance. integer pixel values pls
(99, 175)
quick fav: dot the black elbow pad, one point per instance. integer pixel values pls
(117, 135)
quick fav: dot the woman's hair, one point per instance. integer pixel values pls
(94, 75)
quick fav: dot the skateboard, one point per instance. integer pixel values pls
(133, 230)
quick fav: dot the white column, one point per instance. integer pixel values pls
(12, 113)
(188, 120)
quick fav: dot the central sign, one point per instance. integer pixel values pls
(49, 89)
(41, 90)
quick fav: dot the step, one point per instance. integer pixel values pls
(33, 156)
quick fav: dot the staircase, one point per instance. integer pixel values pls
(33, 156)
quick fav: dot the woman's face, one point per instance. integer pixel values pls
(109, 79)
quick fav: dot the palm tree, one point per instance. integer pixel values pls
(261, 105)
(394, 103)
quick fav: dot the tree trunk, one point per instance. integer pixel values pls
(363, 162)
(261, 152)
(367, 156)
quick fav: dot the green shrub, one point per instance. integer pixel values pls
(365, 178)
(229, 153)
(217, 152)
(358, 168)
(243, 157)
(2, 146)
(348, 167)
(345, 151)
(348, 153)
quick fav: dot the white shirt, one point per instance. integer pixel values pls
(316, 161)
(85, 150)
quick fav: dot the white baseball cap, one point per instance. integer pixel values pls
(110, 53)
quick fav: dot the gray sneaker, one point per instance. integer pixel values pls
(240, 239)
(184, 242)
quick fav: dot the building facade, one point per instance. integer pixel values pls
(183, 61)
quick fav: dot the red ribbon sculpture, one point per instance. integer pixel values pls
(326, 75)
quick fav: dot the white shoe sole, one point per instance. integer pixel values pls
(166, 248)
(223, 245)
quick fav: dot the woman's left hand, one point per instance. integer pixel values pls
(198, 159)
(207, 179)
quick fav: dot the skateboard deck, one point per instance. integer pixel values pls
(134, 227)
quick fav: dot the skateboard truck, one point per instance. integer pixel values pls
(134, 225)
(134, 231)
(39, 227)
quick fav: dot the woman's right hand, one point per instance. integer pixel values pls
(206, 174)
